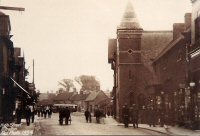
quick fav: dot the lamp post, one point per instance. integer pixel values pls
(192, 112)
(162, 109)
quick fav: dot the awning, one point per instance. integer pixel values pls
(20, 87)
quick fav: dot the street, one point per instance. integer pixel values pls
(50, 126)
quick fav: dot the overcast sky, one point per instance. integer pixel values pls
(68, 38)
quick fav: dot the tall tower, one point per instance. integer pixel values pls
(129, 35)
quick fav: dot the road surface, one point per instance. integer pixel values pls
(50, 126)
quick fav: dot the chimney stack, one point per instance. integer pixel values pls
(178, 28)
(188, 19)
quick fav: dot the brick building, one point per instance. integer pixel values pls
(12, 74)
(171, 68)
(7, 94)
(194, 60)
(130, 55)
(94, 99)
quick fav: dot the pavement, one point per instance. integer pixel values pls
(169, 130)
(18, 129)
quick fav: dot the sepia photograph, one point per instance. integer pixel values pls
(99, 67)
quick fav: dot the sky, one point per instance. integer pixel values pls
(68, 38)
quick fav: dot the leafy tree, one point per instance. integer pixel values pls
(36, 96)
(67, 84)
(87, 82)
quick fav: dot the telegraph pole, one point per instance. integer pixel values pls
(33, 71)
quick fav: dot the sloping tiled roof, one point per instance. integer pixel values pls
(106, 101)
(45, 102)
(43, 96)
(153, 42)
(171, 45)
(63, 96)
(78, 97)
(92, 95)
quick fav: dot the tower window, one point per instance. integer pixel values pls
(130, 51)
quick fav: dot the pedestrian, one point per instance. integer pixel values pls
(32, 113)
(67, 116)
(61, 115)
(18, 114)
(108, 113)
(162, 118)
(87, 114)
(97, 115)
(27, 115)
(49, 112)
(103, 115)
(42, 111)
(134, 115)
(90, 117)
(152, 117)
(45, 112)
(38, 111)
(125, 115)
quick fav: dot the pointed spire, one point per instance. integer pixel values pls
(129, 19)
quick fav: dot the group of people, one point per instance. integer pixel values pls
(130, 114)
(98, 114)
(64, 113)
(44, 111)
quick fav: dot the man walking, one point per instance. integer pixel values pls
(125, 115)
(27, 115)
(152, 117)
(135, 116)
(87, 115)
(18, 114)
(67, 115)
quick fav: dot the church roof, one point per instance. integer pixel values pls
(129, 19)
(172, 44)
(152, 44)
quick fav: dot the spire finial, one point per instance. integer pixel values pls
(129, 19)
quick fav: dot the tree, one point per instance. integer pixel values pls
(67, 84)
(87, 82)
(36, 96)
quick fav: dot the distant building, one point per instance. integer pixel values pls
(79, 100)
(63, 98)
(131, 55)
(93, 99)
(43, 96)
